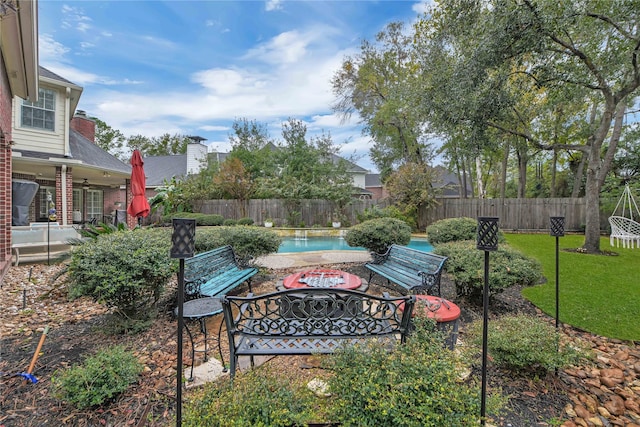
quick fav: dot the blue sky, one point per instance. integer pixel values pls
(192, 67)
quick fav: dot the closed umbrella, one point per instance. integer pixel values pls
(139, 206)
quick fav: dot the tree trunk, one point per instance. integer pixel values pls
(481, 192)
(523, 160)
(577, 179)
(469, 176)
(592, 215)
(597, 170)
(554, 165)
(505, 164)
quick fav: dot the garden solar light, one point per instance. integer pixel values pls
(487, 241)
(182, 246)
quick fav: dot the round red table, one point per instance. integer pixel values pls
(444, 312)
(321, 278)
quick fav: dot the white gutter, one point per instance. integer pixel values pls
(67, 106)
(63, 179)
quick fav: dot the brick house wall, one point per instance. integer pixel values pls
(5, 171)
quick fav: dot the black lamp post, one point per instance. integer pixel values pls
(183, 246)
(487, 241)
(556, 228)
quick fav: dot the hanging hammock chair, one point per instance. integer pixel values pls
(624, 229)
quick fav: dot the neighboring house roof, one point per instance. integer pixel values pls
(448, 183)
(353, 168)
(160, 168)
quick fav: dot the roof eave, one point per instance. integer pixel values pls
(19, 43)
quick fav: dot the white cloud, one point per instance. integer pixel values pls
(75, 18)
(423, 6)
(285, 48)
(72, 74)
(271, 5)
(209, 128)
(49, 49)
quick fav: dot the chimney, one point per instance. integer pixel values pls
(196, 155)
(84, 125)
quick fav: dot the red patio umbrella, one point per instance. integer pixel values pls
(139, 205)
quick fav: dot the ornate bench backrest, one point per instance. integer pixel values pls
(319, 313)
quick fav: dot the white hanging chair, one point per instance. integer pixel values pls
(624, 229)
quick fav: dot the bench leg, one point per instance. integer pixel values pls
(17, 252)
(224, 367)
(193, 352)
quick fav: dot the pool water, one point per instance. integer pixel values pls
(291, 244)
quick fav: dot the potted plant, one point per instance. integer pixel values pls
(268, 222)
(335, 221)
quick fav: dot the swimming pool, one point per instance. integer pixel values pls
(291, 244)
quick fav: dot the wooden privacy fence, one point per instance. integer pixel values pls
(514, 214)
(311, 212)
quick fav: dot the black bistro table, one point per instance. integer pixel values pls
(201, 309)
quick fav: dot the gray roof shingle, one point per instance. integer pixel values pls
(89, 153)
(159, 168)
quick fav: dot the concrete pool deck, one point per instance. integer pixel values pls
(303, 259)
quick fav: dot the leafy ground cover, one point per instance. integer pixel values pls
(77, 331)
(598, 293)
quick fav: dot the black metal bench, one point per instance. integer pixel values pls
(310, 321)
(413, 270)
(214, 273)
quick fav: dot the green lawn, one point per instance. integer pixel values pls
(600, 294)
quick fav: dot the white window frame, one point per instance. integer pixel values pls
(44, 205)
(43, 112)
(95, 204)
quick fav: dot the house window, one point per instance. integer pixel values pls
(77, 205)
(95, 202)
(41, 114)
(43, 200)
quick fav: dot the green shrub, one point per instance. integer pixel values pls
(525, 343)
(507, 267)
(126, 270)
(211, 220)
(455, 229)
(230, 222)
(259, 397)
(100, 378)
(247, 242)
(245, 221)
(415, 385)
(378, 234)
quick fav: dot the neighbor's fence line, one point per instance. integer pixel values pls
(514, 214)
(312, 211)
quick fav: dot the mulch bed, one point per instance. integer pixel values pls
(76, 331)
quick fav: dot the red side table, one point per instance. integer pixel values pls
(444, 312)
